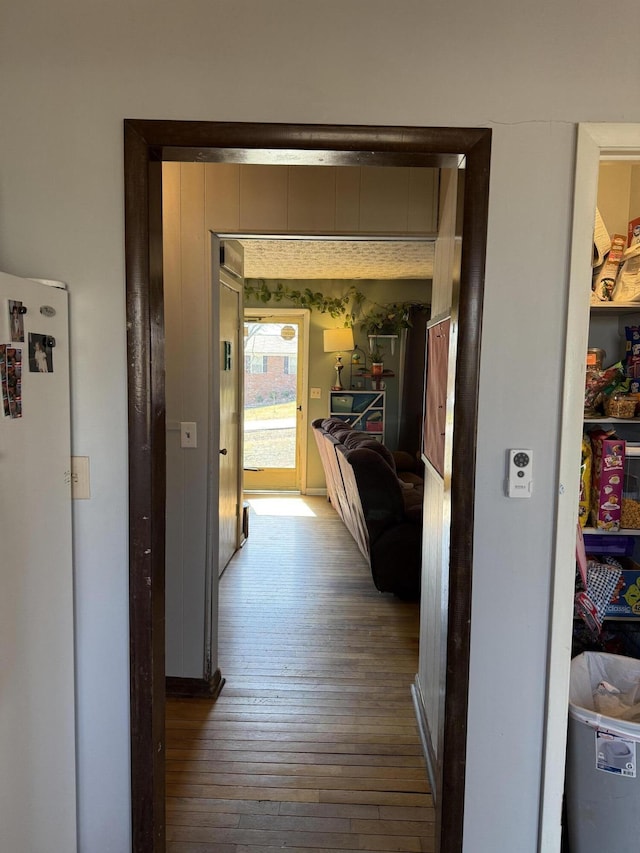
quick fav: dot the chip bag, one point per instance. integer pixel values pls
(598, 383)
(585, 482)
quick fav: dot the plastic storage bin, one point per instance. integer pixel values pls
(602, 781)
(342, 404)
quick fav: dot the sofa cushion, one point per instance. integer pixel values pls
(412, 498)
(404, 461)
(361, 440)
(353, 438)
(386, 454)
(342, 434)
(410, 479)
(356, 439)
(414, 514)
(330, 425)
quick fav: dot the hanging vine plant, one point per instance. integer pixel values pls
(388, 319)
(345, 306)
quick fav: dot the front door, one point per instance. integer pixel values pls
(274, 416)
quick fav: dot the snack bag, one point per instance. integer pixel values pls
(584, 505)
(597, 383)
(632, 351)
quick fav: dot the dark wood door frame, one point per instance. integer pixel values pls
(147, 145)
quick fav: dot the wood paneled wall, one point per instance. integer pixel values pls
(322, 200)
(431, 680)
(186, 273)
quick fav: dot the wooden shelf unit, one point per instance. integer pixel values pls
(363, 410)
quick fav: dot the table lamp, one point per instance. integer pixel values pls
(338, 340)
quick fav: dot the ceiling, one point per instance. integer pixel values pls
(337, 259)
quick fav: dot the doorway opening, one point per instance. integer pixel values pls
(147, 144)
(275, 382)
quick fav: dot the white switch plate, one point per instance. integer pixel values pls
(80, 487)
(188, 434)
(316, 394)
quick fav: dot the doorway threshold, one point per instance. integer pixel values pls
(272, 492)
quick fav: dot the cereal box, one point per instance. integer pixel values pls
(607, 479)
(625, 601)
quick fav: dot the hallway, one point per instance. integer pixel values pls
(312, 744)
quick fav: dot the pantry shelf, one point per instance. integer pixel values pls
(606, 420)
(613, 308)
(624, 531)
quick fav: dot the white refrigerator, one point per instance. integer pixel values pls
(37, 689)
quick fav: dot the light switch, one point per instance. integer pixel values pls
(316, 393)
(80, 490)
(188, 434)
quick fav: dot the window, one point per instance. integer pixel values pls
(255, 364)
(290, 365)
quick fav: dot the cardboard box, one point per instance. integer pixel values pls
(607, 480)
(626, 600)
(633, 231)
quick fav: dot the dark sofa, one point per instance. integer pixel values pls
(378, 495)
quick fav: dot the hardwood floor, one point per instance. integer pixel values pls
(312, 744)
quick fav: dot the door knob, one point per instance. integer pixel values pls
(223, 452)
(299, 408)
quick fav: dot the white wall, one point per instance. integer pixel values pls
(72, 71)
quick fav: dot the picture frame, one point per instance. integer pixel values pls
(435, 396)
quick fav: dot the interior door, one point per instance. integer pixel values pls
(230, 398)
(274, 389)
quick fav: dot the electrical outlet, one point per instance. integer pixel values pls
(316, 394)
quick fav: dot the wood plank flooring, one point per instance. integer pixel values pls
(312, 744)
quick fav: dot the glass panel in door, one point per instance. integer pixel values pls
(271, 394)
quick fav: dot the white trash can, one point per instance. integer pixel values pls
(602, 784)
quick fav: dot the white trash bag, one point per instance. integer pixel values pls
(606, 684)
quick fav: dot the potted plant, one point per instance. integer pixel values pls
(386, 319)
(377, 359)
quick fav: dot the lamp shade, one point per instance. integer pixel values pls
(338, 340)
